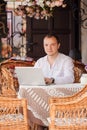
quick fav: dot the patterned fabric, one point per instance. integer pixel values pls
(69, 121)
(38, 97)
(11, 117)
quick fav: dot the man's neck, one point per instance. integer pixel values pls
(51, 58)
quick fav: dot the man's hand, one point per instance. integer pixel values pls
(49, 80)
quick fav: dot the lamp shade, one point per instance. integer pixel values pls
(75, 54)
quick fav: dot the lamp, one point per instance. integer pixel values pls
(75, 54)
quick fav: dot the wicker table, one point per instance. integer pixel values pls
(38, 97)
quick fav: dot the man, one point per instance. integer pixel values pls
(57, 67)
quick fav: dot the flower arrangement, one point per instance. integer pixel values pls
(38, 9)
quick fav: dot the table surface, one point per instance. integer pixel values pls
(38, 97)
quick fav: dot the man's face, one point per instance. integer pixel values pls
(51, 46)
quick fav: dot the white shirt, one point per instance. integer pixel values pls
(62, 69)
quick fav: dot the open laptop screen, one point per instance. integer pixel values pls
(30, 76)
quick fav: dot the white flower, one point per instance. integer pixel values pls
(24, 3)
(27, 0)
(48, 3)
(30, 3)
(40, 3)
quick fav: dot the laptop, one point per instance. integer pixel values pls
(30, 76)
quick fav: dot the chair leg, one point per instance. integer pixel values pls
(45, 128)
(37, 127)
(34, 127)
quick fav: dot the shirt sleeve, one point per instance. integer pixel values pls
(37, 65)
(68, 76)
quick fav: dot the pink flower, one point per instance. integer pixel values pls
(58, 3)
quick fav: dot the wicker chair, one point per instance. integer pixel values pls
(69, 113)
(13, 114)
(10, 65)
(6, 83)
(79, 69)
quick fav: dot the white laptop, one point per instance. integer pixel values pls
(30, 76)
